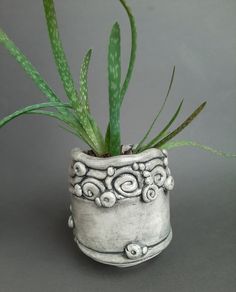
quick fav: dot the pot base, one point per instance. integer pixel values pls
(119, 259)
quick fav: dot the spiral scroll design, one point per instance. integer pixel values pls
(159, 175)
(107, 185)
(150, 193)
(92, 188)
(127, 185)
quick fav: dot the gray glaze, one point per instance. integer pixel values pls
(120, 206)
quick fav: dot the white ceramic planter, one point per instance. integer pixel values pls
(120, 206)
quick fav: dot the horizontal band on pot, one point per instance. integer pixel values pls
(121, 252)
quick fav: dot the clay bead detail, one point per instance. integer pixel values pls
(70, 222)
(142, 166)
(108, 199)
(80, 169)
(164, 151)
(78, 190)
(135, 166)
(165, 161)
(110, 171)
(169, 183)
(135, 251)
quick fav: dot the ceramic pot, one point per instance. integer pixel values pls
(120, 206)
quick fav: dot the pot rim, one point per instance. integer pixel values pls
(78, 154)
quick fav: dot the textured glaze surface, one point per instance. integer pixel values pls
(120, 206)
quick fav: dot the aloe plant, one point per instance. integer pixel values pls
(76, 114)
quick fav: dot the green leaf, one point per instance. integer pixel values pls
(58, 52)
(107, 139)
(182, 126)
(114, 76)
(132, 50)
(158, 114)
(32, 108)
(84, 98)
(74, 131)
(131, 60)
(99, 136)
(29, 69)
(163, 131)
(74, 128)
(84, 81)
(176, 144)
(35, 76)
(64, 72)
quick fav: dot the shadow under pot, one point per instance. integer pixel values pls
(120, 206)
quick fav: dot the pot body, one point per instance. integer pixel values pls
(120, 206)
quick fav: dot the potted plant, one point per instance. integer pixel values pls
(119, 193)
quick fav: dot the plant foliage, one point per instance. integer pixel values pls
(76, 114)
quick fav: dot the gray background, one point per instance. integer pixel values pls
(37, 252)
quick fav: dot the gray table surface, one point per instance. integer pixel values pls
(37, 251)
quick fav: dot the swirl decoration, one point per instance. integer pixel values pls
(125, 182)
(92, 188)
(159, 175)
(151, 192)
(127, 185)
(80, 169)
(105, 186)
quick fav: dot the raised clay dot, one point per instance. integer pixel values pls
(146, 173)
(108, 199)
(135, 166)
(142, 166)
(169, 183)
(110, 171)
(165, 161)
(78, 190)
(149, 180)
(70, 222)
(145, 249)
(164, 151)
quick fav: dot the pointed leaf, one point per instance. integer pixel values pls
(64, 71)
(182, 126)
(75, 129)
(176, 144)
(31, 108)
(131, 60)
(84, 81)
(29, 69)
(114, 76)
(164, 130)
(58, 51)
(158, 114)
(84, 97)
(132, 50)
